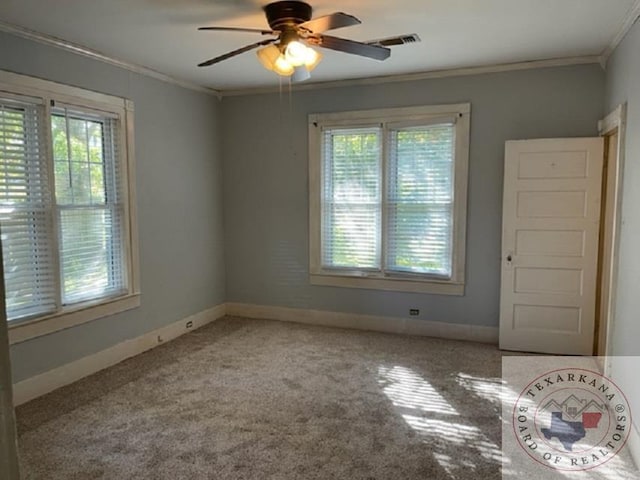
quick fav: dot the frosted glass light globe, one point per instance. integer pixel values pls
(296, 53)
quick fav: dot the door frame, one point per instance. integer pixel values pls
(615, 122)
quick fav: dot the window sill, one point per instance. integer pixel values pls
(390, 284)
(22, 331)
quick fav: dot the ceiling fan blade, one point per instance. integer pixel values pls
(239, 29)
(351, 46)
(329, 22)
(236, 52)
(393, 41)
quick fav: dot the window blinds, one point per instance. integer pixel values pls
(89, 211)
(387, 199)
(351, 198)
(25, 211)
(420, 200)
(61, 212)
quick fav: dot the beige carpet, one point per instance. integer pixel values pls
(252, 399)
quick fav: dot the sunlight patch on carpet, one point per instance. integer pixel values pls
(438, 423)
(407, 389)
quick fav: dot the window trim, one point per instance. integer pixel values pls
(396, 282)
(17, 84)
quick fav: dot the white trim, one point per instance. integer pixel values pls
(71, 372)
(22, 331)
(27, 85)
(391, 114)
(435, 287)
(633, 444)
(131, 202)
(101, 57)
(630, 19)
(8, 440)
(612, 121)
(615, 120)
(412, 77)
(407, 326)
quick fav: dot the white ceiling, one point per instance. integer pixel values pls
(162, 35)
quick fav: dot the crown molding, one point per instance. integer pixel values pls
(411, 77)
(630, 19)
(95, 55)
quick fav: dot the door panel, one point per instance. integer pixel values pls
(555, 281)
(550, 243)
(553, 165)
(551, 214)
(547, 318)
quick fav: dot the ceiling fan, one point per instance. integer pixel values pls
(293, 28)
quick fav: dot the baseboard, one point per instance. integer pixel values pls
(46, 382)
(408, 326)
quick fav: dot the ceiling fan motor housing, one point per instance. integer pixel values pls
(281, 15)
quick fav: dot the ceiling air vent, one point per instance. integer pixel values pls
(393, 41)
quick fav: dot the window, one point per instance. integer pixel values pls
(388, 198)
(88, 206)
(68, 240)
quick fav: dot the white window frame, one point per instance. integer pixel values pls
(123, 109)
(354, 278)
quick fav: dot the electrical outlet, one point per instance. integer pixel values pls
(414, 312)
(189, 324)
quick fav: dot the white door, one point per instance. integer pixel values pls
(550, 231)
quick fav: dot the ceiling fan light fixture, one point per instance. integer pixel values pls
(283, 67)
(312, 58)
(296, 53)
(268, 56)
(300, 74)
(272, 59)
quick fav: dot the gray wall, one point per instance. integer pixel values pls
(178, 168)
(264, 142)
(623, 85)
